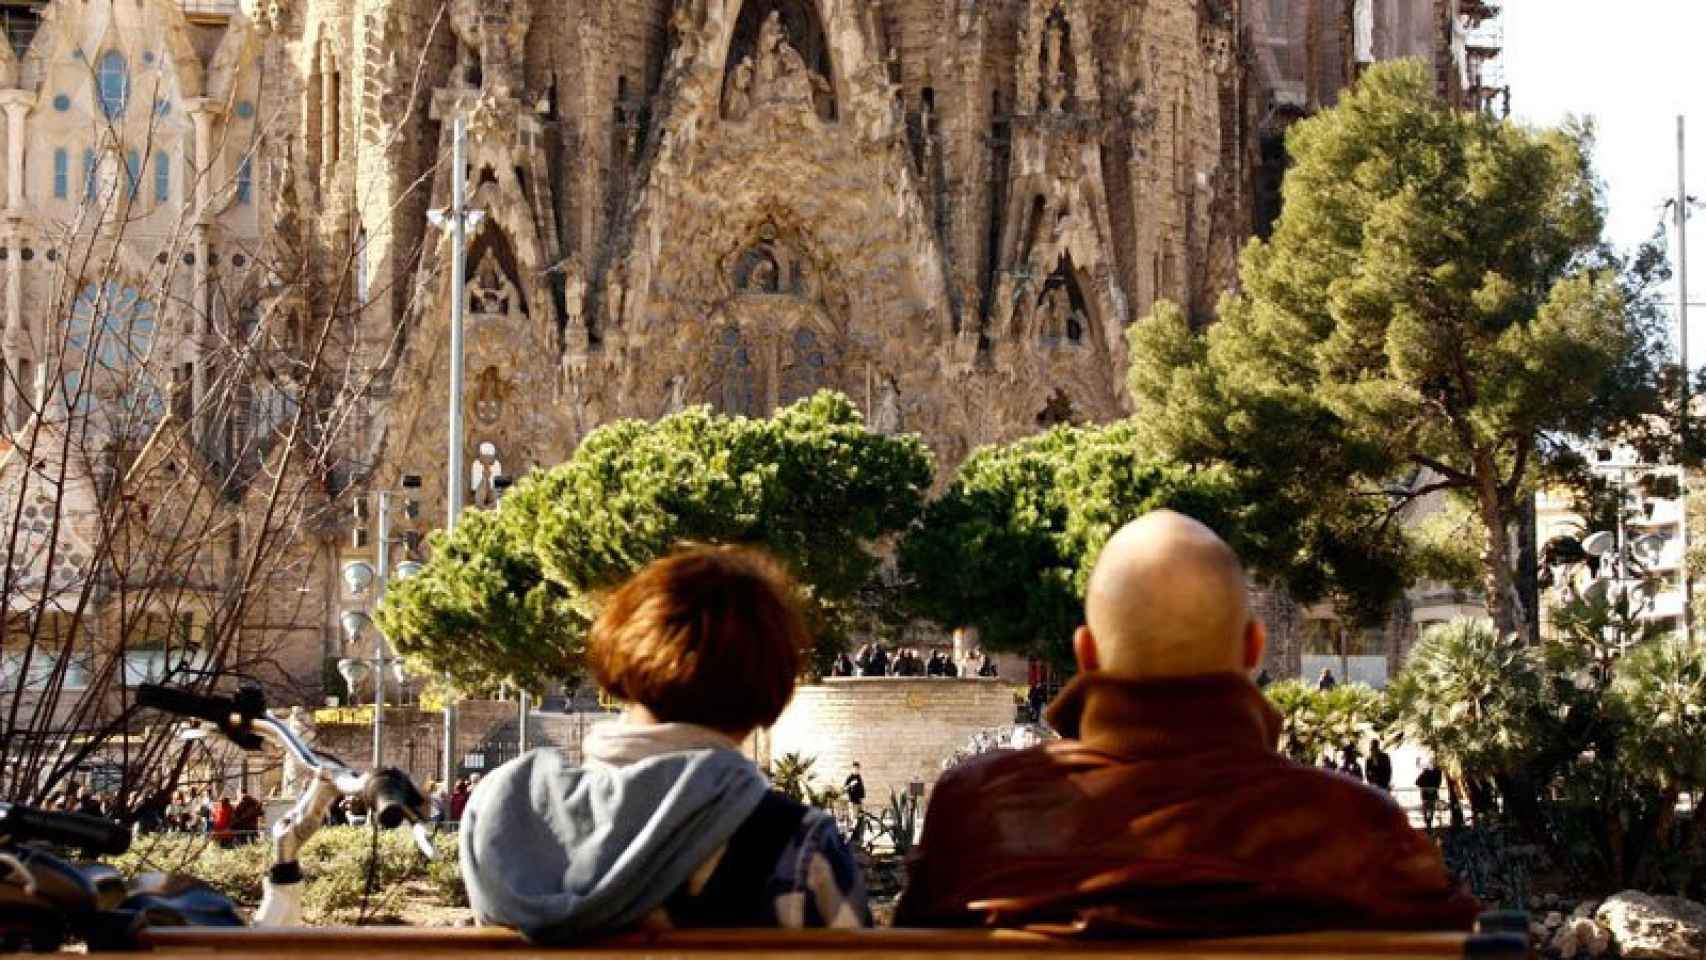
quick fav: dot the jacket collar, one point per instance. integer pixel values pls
(1173, 715)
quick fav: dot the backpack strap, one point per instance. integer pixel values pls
(738, 894)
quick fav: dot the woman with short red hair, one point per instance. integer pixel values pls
(667, 824)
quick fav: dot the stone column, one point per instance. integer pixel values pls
(16, 103)
(203, 111)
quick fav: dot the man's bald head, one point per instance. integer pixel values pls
(1167, 598)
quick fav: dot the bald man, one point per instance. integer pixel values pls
(1165, 807)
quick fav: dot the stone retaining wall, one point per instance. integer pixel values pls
(900, 730)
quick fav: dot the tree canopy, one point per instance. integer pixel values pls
(1009, 546)
(508, 597)
(1434, 313)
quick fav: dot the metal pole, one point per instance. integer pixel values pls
(459, 239)
(525, 708)
(453, 492)
(1682, 342)
(381, 580)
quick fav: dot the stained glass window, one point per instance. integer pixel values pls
(113, 326)
(113, 79)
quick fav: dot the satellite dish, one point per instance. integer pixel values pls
(1599, 544)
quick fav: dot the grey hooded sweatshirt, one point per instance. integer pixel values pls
(555, 851)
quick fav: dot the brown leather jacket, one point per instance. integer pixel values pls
(1168, 810)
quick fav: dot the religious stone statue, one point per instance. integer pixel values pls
(483, 476)
(779, 74)
(770, 36)
(487, 294)
(763, 276)
(885, 413)
(1054, 313)
(675, 392)
(739, 97)
(1055, 81)
(489, 396)
(577, 339)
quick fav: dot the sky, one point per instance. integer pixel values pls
(1632, 65)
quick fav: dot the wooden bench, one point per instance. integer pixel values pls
(418, 943)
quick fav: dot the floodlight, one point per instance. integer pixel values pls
(1599, 544)
(355, 623)
(353, 670)
(358, 576)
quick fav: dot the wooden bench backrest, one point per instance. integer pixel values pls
(417, 943)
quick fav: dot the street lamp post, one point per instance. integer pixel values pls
(457, 220)
(359, 576)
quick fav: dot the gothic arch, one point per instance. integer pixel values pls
(802, 28)
(1063, 313)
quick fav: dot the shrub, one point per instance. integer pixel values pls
(1321, 723)
(336, 862)
(792, 776)
(1587, 742)
(1469, 697)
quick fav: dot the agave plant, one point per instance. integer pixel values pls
(1470, 697)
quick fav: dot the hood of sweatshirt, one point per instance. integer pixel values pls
(558, 851)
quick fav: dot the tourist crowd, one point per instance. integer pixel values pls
(176, 811)
(1164, 806)
(874, 660)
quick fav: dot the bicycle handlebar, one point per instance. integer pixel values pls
(92, 834)
(234, 716)
(243, 718)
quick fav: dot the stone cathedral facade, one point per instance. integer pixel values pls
(950, 210)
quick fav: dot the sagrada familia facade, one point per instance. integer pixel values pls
(950, 210)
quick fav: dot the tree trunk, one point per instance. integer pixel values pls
(1498, 574)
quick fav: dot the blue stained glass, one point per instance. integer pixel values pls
(112, 76)
(61, 102)
(61, 173)
(119, 325)
(245, 109)
(162, 178)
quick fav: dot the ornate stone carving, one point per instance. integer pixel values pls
(775, 73)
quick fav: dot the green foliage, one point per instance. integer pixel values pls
(1660, 687)
(792, 776)
(1009, 547)
(1469, 696)
(1588, 741)
(508, 598)
(1321, 723)
(335, 861)
(1433, 312)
